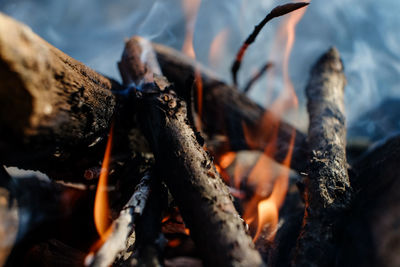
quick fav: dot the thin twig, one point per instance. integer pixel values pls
(257, 76)
(122, 227)
(276, 12)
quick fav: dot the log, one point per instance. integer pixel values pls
(375, 178)
(50, 103)
(122, 227)
(32, 210)
(190, 175)
(149, 238)
(328, 192)
(226, 109)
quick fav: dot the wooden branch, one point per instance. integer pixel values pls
(328, 186)
(189, 173)
(122, 227)
(149, 237)
(50, 103)
(226, 110)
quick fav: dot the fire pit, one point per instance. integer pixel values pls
(175, 167)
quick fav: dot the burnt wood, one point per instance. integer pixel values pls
(50, 103)
(122, 226)
(375, 179)
(328, 191)
(33, 210)
(202, 197)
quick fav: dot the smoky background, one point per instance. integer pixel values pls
(365, 32)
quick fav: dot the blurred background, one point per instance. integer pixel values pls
(365, 32)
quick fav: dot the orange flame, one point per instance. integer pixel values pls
(216, 47)
(263, 209)
(101, 206)
(190, 9)
(268, 209)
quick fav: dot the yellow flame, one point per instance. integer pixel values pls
(101, 206)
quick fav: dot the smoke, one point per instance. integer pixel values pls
(365, 32)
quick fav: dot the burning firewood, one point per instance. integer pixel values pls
(190, 175)
(328, 191)
(226, 110)
(123, 226)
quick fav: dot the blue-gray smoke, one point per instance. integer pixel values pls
(365, 32)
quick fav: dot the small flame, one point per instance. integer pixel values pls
(262, 211)
(190, 9)
(216, 47)
(101, 206)
(268, 209)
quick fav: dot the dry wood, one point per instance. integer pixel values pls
(189, 173)
(50, 103)
(148, 233)
(122, 227)
(226, 110)
(327, 182)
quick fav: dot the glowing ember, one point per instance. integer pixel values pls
(226, 159)
(101, 206)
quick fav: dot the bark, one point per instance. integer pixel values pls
(149, 237)
(201, 196)
(122, 227)
(50, 103)
(328, 191)
(189, 173)
(226, 111)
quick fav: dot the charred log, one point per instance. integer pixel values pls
(50, 104)
(375, 232)
(189, 173)
(34, 210)
(328, 191)
(123, 226)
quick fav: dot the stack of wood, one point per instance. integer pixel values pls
(161, 171)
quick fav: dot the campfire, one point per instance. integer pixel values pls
(175, 167)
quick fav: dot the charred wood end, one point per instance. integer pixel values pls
(329, 181)
(328, 191)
